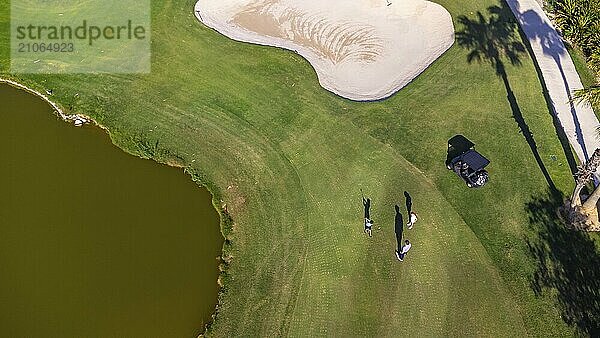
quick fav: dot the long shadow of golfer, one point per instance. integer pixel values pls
(398, 227)
(367, 207)
(553, 46)
(492, 38)
(567, 265)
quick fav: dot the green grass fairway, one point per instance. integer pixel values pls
(290, 158)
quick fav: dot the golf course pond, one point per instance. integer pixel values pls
(95, 242)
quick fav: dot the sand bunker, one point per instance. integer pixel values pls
(360, 49)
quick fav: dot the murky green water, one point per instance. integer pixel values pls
(95, 242)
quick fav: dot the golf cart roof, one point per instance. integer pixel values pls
(459, 142)
(475, 160)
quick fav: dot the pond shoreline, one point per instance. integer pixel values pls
(82, 119)
(73, 118)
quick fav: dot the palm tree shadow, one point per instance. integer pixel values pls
(493, 38)
(558, 128)
(552, 45)
(568, 265)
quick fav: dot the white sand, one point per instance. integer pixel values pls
(361, 49)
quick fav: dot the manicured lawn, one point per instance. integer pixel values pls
(588, 78)
(290, 158)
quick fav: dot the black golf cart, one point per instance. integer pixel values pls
(467, 163)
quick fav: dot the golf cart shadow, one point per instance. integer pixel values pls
(467, 163)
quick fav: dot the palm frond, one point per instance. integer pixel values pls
(589, 94)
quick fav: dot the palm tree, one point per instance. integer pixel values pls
(584, 216)
(590, 94)
(585, 175)
(594, 59)
(578, 22)
(567, 15)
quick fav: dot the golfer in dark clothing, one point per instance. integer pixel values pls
(367, 204)
(408, 203)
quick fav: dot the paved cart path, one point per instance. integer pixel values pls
(578, 120)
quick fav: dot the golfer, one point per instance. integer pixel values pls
(412, 220)
(368, 226)
(402, 253)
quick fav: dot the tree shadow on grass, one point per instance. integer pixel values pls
(568, 265)
(560, 132)
(552, 45)
(493, 38)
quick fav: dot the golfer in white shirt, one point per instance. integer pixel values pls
(412, 220)
(402, 253)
